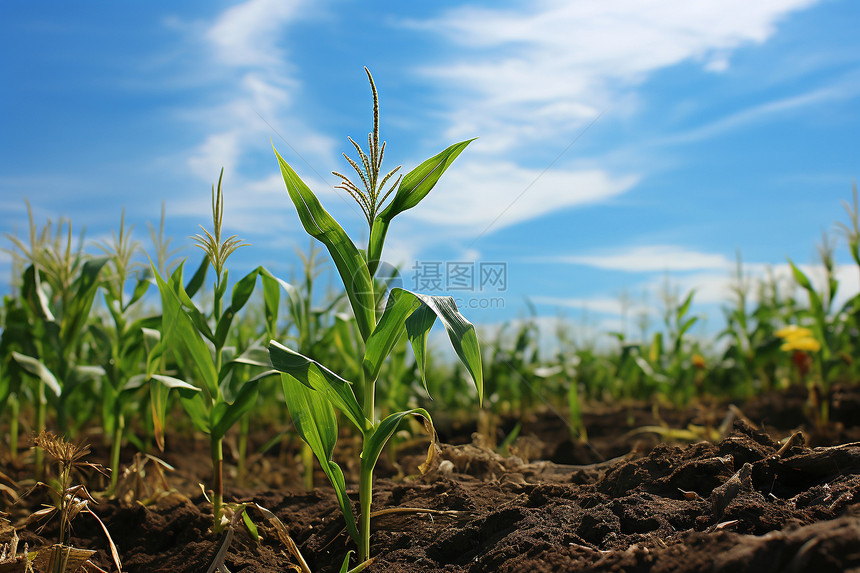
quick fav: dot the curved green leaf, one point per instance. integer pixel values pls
(418, 326)
(139, 290)
(317, 377)
(178, 329)
(35, 367)
(224, 414)
(198, 319)
(159, 393)
(402, 305)
(242, 290)
(198, 408)
(315, 421)
(84, 288)
(414, 186)
(349, 261)
(272, 299)
(199, 277)
(376, 441)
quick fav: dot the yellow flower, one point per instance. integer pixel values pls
(793, 332)
(698, 361)
(804, 343)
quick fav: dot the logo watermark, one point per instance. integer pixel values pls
(474, 285)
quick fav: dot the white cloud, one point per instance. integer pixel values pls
(757, 113)
(597, 304)
(650, 258)
(475, 194)
(245, 34)
(543, 69)
(256, 88)
(717, 288)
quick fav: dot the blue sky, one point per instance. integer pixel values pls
(619, 140)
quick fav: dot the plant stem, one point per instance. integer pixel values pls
(13, 425)
(218, 483)
(41, 405)
(244, 428)
(365, 484)
(365, 496)
(217, 453)
(114, 452)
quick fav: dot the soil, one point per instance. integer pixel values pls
(627, 501)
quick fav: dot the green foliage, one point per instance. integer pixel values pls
(312, 391)
(211, 397)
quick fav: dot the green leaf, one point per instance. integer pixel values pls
(178, 329)
(389, 329)
(800, 277)
(685, 306)
(198, 408)
(199, 277)
(78, 375)
(687, 325)
(344, 568)
(255, 355)
(376, 441)
(243, 289)
(34, 294)
(250, 526)
(418, 326)
(199, 320)
(272, 299)
(159, 394)
(75, 316)
(222, 330)
(139, 290)
(815, 303)
(349, 261)
(402, 304)
(414, 186)
(224, 414)
(39, 370)
(315, 421)
(317, 377)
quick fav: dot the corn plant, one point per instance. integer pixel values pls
(748, 362)
(120, 346)
(313, 392)
(218, 399)
(58, 289)
(832, 332)
(14, 338)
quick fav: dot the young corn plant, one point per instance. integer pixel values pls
(313, 392)
(219, 399)
(58, 288)
(120, 346)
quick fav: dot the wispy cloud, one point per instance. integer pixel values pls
(538, 70)
(759, 113)
(648, 258)
(477, 193)
(598, 304)
(256, 86)
(245, 35)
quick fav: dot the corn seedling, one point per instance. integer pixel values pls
(120, 346)
(218, 399)
(57, 291)
(313, 392)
